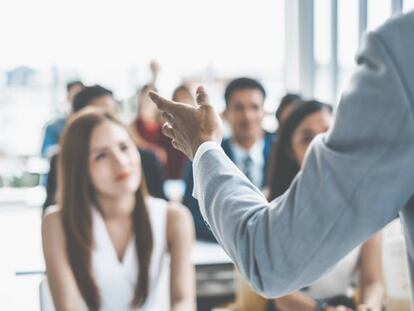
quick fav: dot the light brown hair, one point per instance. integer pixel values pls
(76, 198)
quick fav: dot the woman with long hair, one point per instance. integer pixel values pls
(334, 291)
(108, 245)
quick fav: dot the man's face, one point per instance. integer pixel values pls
(73, 91)
(245, 114)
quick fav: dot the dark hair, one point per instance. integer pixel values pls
(71, 84)
(242, 84)
(283, 168)
(76, 198)
(88, 94)
(286, 101)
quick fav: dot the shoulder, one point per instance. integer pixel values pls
(52, 227)
(179, 220)
(157, 210)
(401, 24)
(52, 215)
(392, 40)
(177, 211)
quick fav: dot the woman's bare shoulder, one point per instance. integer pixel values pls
(52, 220)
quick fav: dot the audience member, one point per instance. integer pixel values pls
(108, 245)
(55, 128)
(147, 131)
(248, 147)
(99, 96)
(287, 104)
(146, 127)
(334, 289)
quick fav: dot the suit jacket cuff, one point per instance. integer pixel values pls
(203, 148)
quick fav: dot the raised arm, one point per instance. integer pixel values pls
(355, 180)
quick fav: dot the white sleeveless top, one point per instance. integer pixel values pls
(337, 281)
(116, 280)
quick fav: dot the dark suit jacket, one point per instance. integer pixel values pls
(202, 232)
(151, 167)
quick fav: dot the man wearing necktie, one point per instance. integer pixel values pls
(355, 179)
(244, 98)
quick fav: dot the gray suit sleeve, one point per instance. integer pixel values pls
(354, 181)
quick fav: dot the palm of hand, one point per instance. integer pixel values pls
(190, 125)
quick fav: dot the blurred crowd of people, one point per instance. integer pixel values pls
(111, 238)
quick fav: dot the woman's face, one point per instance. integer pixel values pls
(114, 162)
(314, 124)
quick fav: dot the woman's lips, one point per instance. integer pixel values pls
(122, 176)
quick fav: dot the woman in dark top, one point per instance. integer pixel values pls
(332, 291)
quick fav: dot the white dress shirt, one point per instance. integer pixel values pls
(256, 155)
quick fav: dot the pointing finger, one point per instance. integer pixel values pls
(162, 103)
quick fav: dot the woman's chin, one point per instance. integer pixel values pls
(125, 188)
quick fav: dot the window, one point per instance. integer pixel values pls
(322, 49)
(338, 27)
(408, 5)
(112, 42)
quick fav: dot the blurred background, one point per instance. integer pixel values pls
(301, 46)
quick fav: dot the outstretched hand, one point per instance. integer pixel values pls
(189, 125)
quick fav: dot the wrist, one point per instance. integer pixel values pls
(200, 142)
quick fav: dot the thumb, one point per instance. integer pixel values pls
(202, 97)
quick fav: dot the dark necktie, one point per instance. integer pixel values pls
(247, 167)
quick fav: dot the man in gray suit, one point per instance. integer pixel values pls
(355, 179)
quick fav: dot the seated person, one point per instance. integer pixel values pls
(176, 159)
(108, 245)
(147, 130)
(248, 147)
(101, 97)
(287, 104)
(336, 288)
(146, 127)
(54, 129)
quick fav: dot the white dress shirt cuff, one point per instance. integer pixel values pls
(204, 147)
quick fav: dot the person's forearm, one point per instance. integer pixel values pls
(372, 295)
(332, 204)
(183, 305)
(295, 302)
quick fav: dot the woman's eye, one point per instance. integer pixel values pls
(124, 147)
(100, 156)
